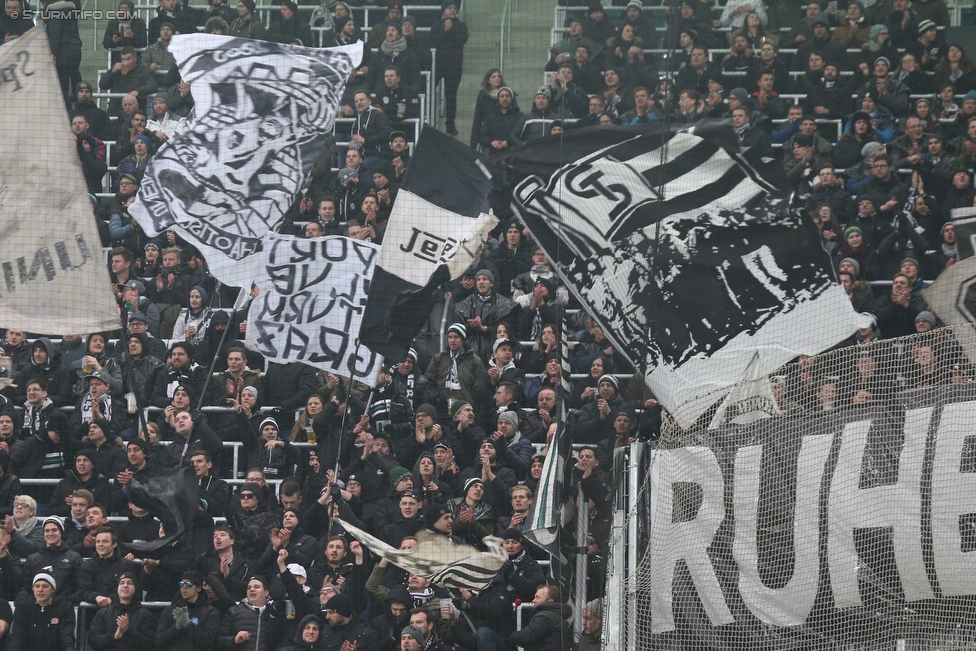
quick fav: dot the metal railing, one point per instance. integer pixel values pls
(505, 36)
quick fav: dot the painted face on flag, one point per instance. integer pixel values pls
(229, 177)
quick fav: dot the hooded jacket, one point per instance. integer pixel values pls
(141, 371)
(388, 627)
(56, 376)
(199, 319)
(109, 365)
(142, 625)
(298, 644)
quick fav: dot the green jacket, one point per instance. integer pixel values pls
(470, 370)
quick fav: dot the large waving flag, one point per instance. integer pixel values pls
(439, 560)
(260, 112)
(310, 304)
(52, 276)
(683, 250)
(440, 222)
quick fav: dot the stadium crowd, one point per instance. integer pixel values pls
(448, 442)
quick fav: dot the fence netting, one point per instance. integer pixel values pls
(837, 517)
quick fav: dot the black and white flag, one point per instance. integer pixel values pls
(312, 293)
(260, 112)
(440, 222)
(964, 227)
(440, 561)
(685, 253)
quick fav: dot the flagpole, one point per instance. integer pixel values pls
(213, 362)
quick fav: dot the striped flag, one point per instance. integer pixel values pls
(439, 560)
(545, 518)
(439, 224)
(684, 250)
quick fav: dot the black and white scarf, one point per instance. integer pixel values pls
(105, 403)
(453, 378)
(32, 415)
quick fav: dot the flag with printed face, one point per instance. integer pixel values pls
(261, 112)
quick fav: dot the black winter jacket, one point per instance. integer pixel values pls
(43, 628)
(265, 625)
(140, 636)
(199, 635)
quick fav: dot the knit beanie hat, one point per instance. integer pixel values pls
(398, 473)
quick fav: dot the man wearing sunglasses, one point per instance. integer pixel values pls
(252, 521)
(190, 623)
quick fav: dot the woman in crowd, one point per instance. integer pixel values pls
(957, 69)
(922, 109)
(910, 73)
(754, 32)
(617, 47)
(878, 45)
(302, 428)
(486, 102)
(847, 152)
(585, 389)
(504, 331)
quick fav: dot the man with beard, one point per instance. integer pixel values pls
(344, 630)
(499, 123)
(405, 380)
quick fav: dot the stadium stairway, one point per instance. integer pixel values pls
(530, 25)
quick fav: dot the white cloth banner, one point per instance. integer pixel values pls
(438, 559)
(52, 276)
(261, 112)
(312, 293)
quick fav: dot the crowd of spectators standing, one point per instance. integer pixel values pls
(451, 444)
(448, 442)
